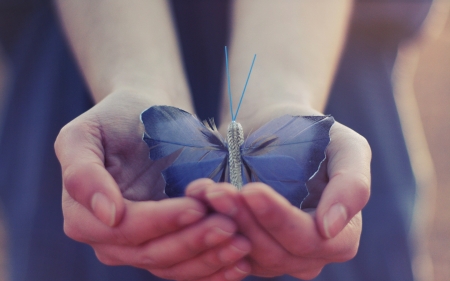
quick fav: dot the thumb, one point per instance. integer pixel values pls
(81, 154)
(348, 189)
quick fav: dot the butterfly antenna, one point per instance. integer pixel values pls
(245, 87)
(229, 87)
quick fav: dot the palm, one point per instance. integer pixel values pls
(125, 154)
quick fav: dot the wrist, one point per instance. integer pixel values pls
(255, 117)
(144, 97)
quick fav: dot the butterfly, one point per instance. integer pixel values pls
(284, 153)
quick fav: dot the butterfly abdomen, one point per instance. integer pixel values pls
(235, 138)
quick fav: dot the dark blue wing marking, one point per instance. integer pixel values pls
(202, 150)
(301, 138)
(177, 177)
(281, 173)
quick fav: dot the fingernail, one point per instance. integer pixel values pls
(236, 250)
(219, 234)
(103, 208)
(334, 220)
(190, 216)
(241, 269)
(226, 205)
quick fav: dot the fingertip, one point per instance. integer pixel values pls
(223, 199)
(255, 186)
(259, 197)
(197, 188)
(238, 271)
(191, 215)
(256, 200)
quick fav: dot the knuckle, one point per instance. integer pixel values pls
(362, 187)
(70, 179)
(365, 144)
(72, 232)
(60, 139)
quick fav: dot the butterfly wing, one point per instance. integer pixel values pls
(202, 150)
(286, 152)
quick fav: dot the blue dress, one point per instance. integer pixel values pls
(45, 91)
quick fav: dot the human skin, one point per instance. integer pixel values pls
(128, 55)
(292, 75)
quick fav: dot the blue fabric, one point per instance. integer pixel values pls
(45, 91)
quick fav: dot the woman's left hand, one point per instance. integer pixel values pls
(286, 239)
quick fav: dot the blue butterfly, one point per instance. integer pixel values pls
(284, 153)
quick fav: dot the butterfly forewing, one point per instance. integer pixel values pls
(202, 150)
(168, 129)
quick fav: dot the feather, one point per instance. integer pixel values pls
(169, 129)
(202, 149)
(303, 138)
(288, 144)
(280, 172)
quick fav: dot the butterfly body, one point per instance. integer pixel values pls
(235, 138)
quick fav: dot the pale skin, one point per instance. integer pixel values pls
(128, 55)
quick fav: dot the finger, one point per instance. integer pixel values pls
(312, 251)
(142, 221)
(224, 198)
(235, 272)
(296, 230)
(286, 223)
(197, 188)
(80, 152)
(210, 261)
(348, 189)
(173, 248)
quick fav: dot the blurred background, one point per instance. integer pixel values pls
(422, 80)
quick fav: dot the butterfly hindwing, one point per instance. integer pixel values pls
(286, 152)
(202, 150)
(279, 172)
(178, 176)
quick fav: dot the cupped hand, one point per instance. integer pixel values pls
(286, 239)
(102, 155)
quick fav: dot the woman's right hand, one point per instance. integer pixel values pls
(102, 155)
